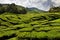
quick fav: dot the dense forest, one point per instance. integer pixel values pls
(12, 8)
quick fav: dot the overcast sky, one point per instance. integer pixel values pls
(40, 4)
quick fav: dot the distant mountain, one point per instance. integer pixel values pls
(35, 9)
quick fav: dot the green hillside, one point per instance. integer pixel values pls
(30, 26)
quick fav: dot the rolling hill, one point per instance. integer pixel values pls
(29, 26)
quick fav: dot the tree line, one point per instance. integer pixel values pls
(54, 9)
(12, 8)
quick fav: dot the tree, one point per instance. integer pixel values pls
(16, 9)
(12, 8)
(54, 9)
(2, 10)
(21, 10)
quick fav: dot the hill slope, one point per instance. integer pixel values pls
(30, 26)
(19, 23)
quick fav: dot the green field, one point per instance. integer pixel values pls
(30, 26)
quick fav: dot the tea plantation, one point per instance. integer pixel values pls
(30, 26)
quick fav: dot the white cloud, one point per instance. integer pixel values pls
(32, 3)
(5, 1)
(56, 2)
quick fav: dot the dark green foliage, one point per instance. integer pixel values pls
(2, 10)
(54, 9)
(12, 8)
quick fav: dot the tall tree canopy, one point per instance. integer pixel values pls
(12, 8)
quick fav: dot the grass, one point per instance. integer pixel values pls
(30, 25)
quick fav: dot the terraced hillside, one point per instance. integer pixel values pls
(30, 26)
